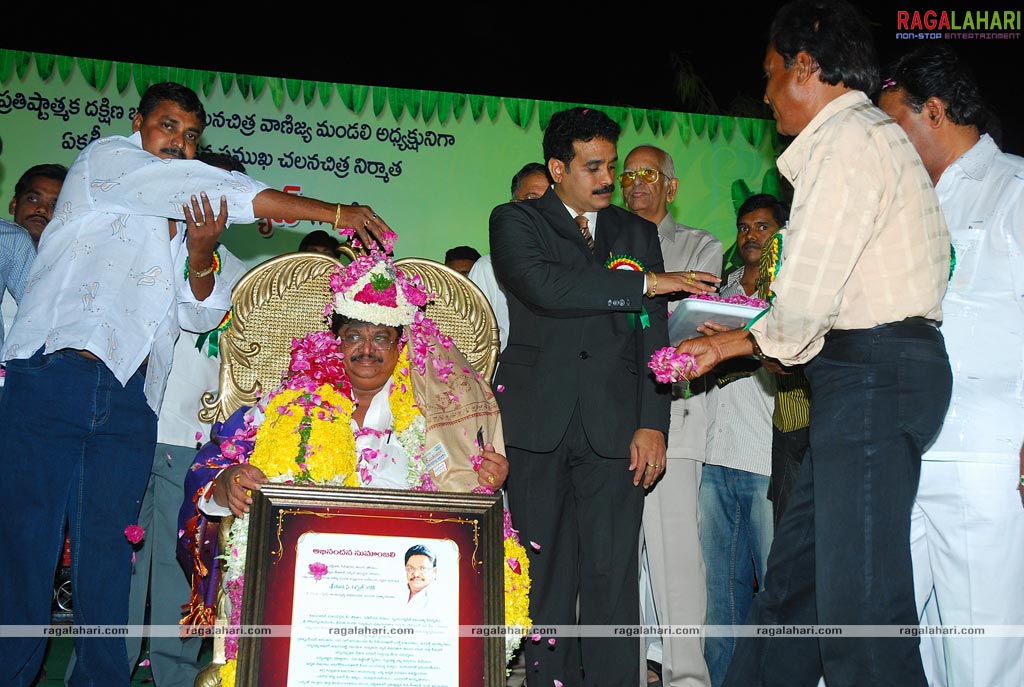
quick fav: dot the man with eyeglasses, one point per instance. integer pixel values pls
(670, 544)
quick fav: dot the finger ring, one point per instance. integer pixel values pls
(237, 477)
(199, 224)
(490, 479)
(689, 280)
(652, 465)
(693, 275)
(366, 223)
(374, 217)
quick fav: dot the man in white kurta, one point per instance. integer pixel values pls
(673, 575)
(968, 519)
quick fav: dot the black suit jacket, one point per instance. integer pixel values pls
(570, 340)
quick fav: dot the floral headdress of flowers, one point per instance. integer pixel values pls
(372, 289)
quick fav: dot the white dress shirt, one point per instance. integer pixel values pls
(982, 198)
(107, 279)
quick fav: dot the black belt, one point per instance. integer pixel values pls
(916, 321)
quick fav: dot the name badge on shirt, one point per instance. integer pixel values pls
(436, 459)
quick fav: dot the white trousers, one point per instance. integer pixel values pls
(967, 544)
(675, 573)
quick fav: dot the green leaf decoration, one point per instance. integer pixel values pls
(413, 98)
(458, 104)
(665, 119)
(123, 76)
(244, 83)
(207, 81)
(345, 94)
(654, 123)
(617, 114)
(324, 90)
(226, 81)
(429, 104)
(712, 126)
(771, 183)
(22, 60)
(476, 106)
(257, 84)
(44, 65)
(176, 74)
(545, 108)
(740, 191)
(101, 72)
(639, 116)
(65, 65)
(191, 79)
(6, 64)
(699, 121)
(728, 125)
(746, 127)
(359, 96)
(396, 101)
(492, 104)
(380, 96)
(140, 79)
(757, 130)
(514, 107)
(276, 86)
(685, 128)
(308, 91)
(294, 88)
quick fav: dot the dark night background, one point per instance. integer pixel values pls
(637, 55)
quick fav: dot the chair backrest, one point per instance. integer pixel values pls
(279, 300)
(461, 310)
(284, 298)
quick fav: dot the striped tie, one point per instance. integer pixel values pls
(584, 229)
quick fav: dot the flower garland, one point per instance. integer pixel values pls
(307, 437)
(735, 299)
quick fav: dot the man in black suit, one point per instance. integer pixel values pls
(585, 421)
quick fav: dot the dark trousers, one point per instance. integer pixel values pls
(584, 513)
(788, 451)
(77, 447)
(841, 554)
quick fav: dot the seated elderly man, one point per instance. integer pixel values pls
(384, 400)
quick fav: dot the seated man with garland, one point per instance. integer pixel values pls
(329, 424)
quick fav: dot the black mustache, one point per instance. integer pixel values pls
(604, 189)
(751, 244)
(367, 357)
(176, 152)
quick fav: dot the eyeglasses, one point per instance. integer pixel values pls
(648, 176)
(378, 342)
(409, 569)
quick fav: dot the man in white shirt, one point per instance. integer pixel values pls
(968, 520)
(116, 276)
(670, 544)
(35, 197)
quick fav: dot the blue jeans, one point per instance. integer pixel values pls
(735, 535)
(77, 448)
(841, 554)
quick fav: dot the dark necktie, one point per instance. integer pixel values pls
(584, 229)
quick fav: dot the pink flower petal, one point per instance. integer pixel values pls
(535, 546)
(551, 642)
(558, 683)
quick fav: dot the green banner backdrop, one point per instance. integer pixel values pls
(433, 164)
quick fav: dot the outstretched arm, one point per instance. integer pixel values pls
(367, 224)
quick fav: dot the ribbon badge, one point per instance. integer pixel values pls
(628, 262)
(212, 338)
